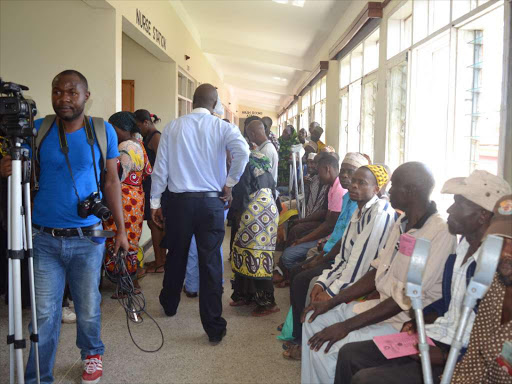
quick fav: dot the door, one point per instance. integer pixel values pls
(128, 95)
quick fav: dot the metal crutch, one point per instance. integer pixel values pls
(488, 258)
(413, 290)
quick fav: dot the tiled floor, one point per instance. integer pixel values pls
(249, 353)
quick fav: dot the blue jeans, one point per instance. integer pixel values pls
(192, 275)
(292, 256)
(77, 260)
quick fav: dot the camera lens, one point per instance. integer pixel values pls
(101, 212)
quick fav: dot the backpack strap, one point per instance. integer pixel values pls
(43, 131)
(100, 131)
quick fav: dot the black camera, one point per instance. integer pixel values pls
(16, 113)
(93, 206)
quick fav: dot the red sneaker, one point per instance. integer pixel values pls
(93, 369)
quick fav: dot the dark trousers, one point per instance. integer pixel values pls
(204, 218)
(298, 231)
(363, 363)
(299, 285)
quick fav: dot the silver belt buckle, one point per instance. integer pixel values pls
(53, 232)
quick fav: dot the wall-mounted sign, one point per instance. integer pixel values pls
(252, 113)
(145, 24)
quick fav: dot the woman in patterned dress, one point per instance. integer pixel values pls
(252, 256)
(133, 167)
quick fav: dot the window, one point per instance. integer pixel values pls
(343, 123)
(444, 103)
(318, 98)
(397, 108)
(368, 117)
(400, 30)
(291, 115)
(429, 16)
(357, 117)
(304, 114)
(427, 128)
(478, 93)
(186, 89)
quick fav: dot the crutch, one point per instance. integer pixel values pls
(413, 290)
(488, 258)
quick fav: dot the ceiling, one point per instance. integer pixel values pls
(262, 48)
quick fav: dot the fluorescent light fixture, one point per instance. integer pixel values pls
(279, 78)
(296, 3)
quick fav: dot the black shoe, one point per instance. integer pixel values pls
(167, 313)
(214, 340)
(189, 294)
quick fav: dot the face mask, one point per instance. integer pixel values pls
(219, 108)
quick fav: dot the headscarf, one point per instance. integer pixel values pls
(259, 163)
(328, 149)
(313, 145)
(125, 121)
(355, 159)
(380, 173)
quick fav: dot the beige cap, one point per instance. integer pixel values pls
(311, 156)
(355, 159)
(481, 187)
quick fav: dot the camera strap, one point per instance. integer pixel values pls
(65, 150)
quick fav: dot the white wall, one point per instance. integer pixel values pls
(39, 39)
(153, 80)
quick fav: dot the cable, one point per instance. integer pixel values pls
(131, 299)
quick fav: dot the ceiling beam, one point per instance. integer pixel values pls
(255, 85)
(224, 48)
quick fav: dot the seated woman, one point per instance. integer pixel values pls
(252, 257)
(133, 167)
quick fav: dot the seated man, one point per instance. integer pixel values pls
(340, 320)
(365, 235)
(328, 170)
(487, 359)
(469, 216)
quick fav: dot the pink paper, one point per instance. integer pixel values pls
(398, 344)
(407, 243)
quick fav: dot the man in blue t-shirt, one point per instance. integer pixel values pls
(61, 250)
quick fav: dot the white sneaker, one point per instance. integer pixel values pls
(68, 316)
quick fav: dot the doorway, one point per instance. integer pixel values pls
(128, 95)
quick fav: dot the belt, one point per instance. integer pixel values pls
(73, 232)
(197, 195)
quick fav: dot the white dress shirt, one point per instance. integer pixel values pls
(268, 149)
(364, 237)
(392, 266)
(191, 155)
(444, 328)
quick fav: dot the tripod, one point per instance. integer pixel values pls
(19, 243)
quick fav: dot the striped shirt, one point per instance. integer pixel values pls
(444, 328)
(365, 235)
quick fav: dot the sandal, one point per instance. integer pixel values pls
(289, 344)
(265, 311)
(155, 269)
(117, 296)
(293, 353)
(239, 303)
(280, 327)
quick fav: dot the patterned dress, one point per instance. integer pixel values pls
(252, 256)
(133, 167)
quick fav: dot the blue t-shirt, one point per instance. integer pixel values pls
(56, 205)
(349, 206)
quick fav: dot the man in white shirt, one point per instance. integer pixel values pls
(469, 216)
(255, 131)
(191, 162)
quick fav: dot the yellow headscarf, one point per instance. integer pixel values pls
(380, 173)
